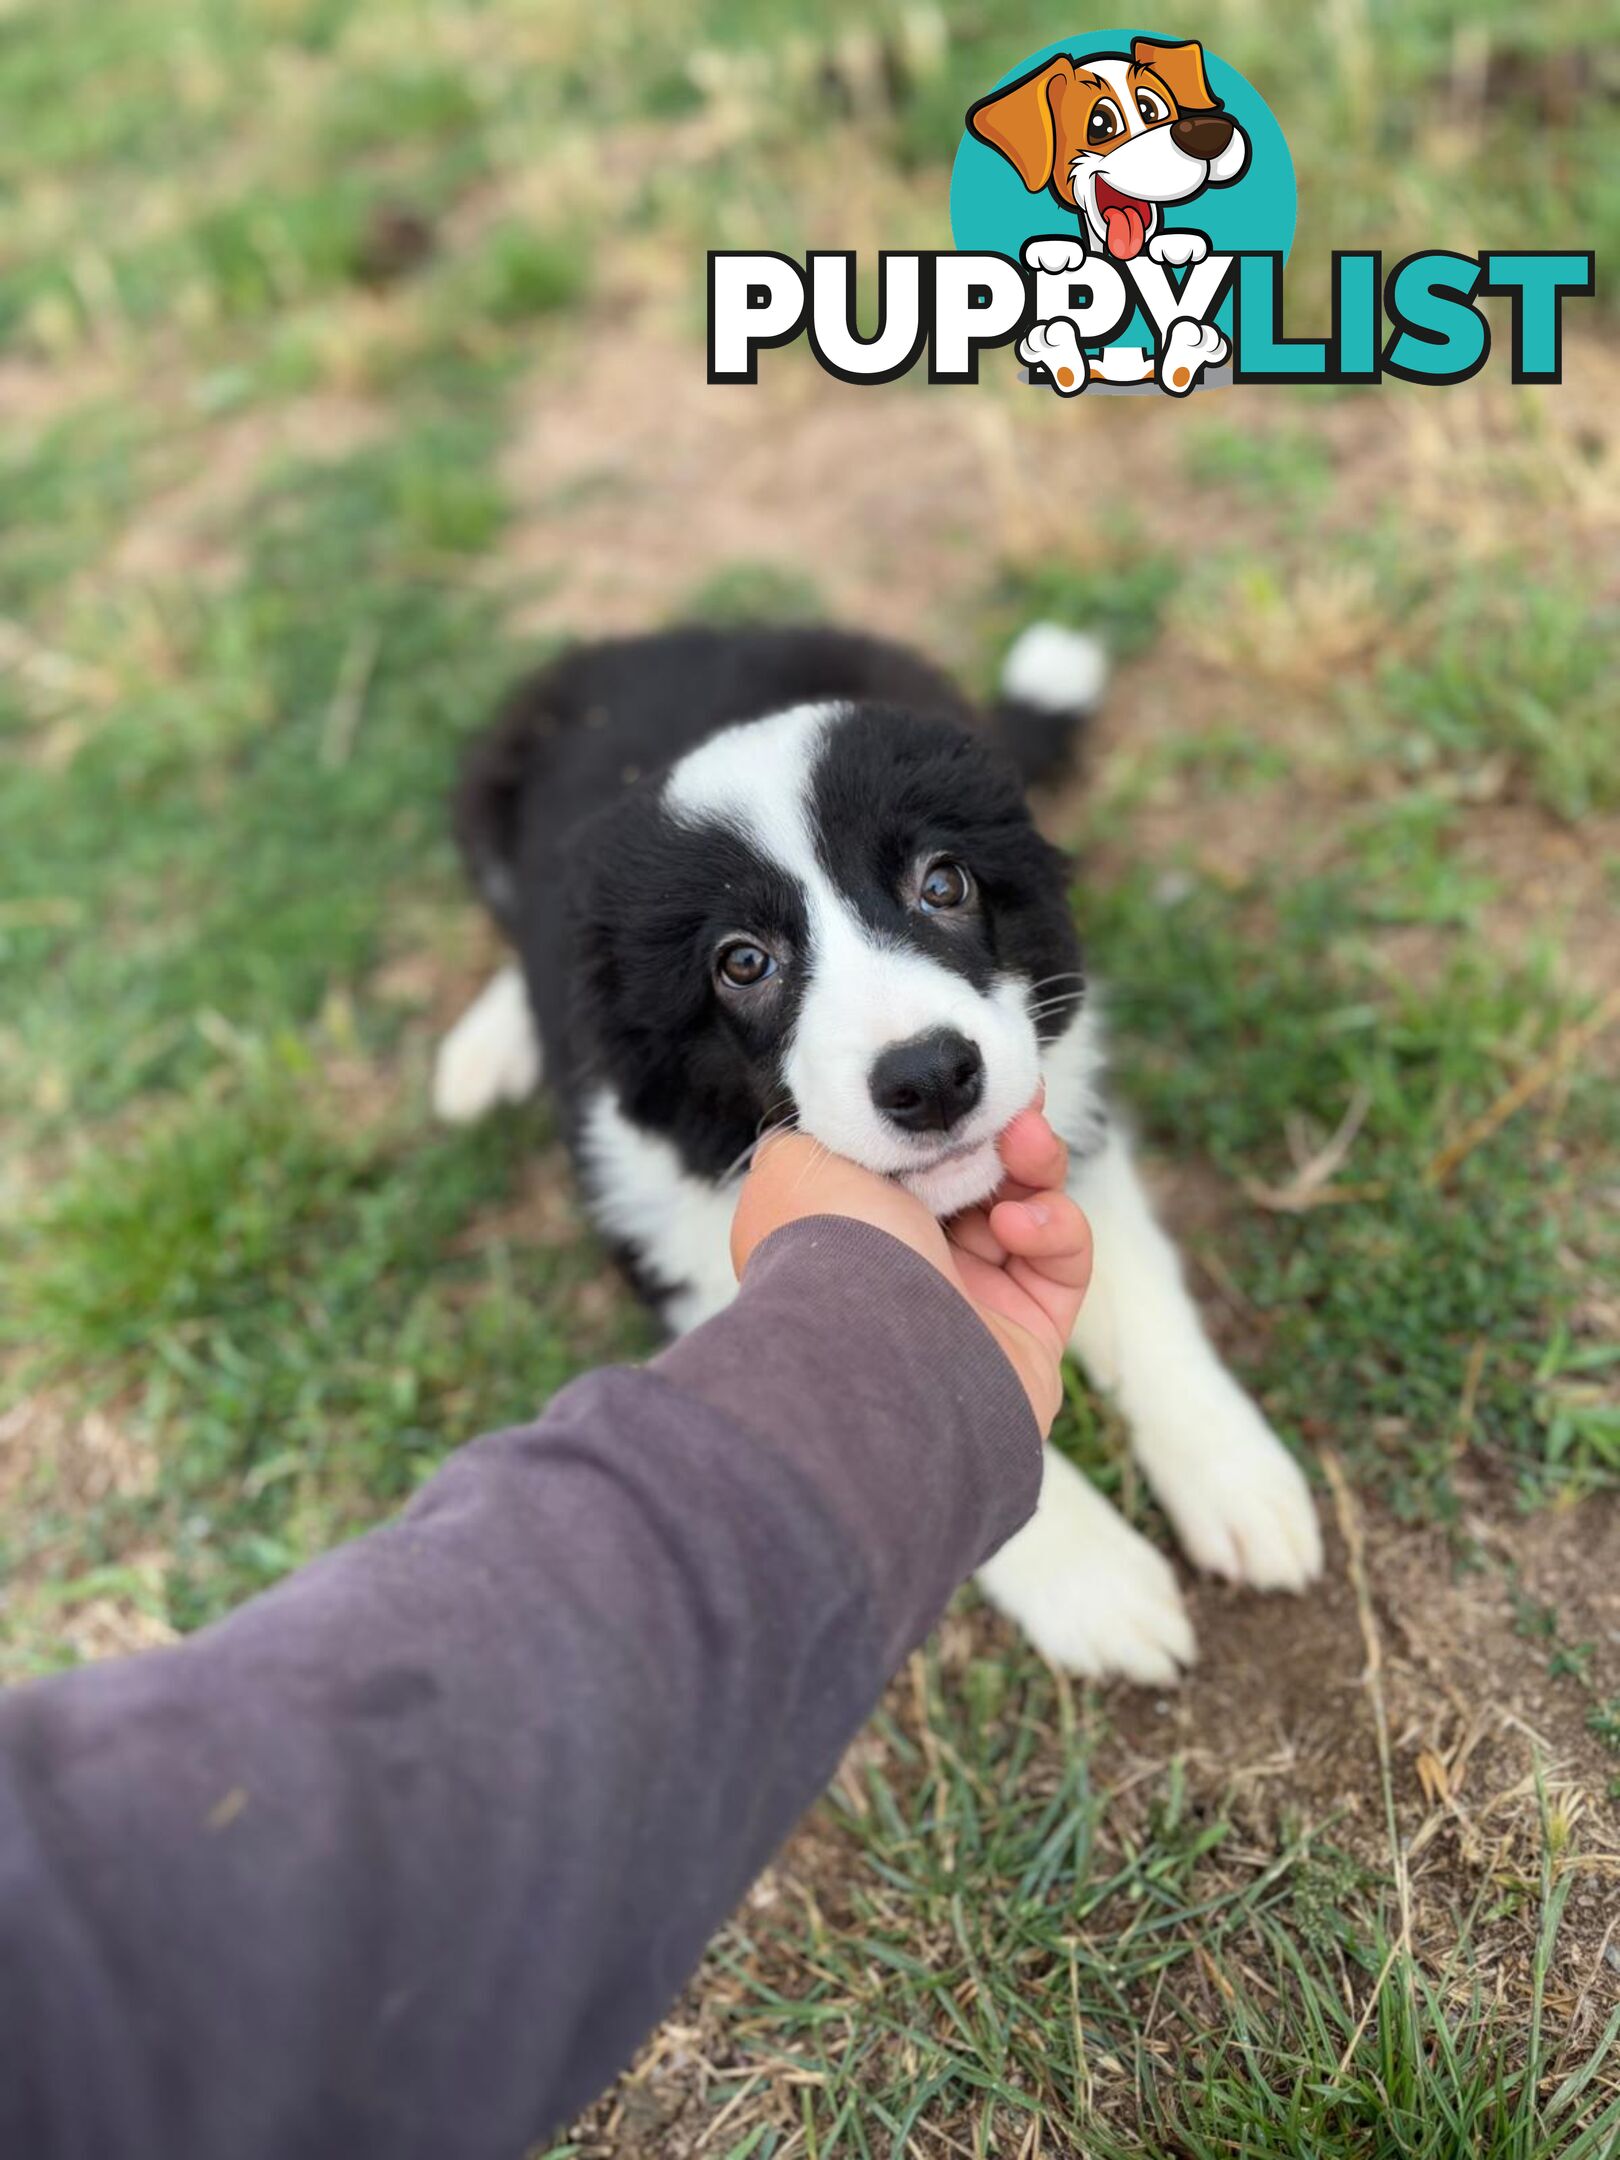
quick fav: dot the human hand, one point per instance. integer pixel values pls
(1022, 1259)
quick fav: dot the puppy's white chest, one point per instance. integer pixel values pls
(677, 1226)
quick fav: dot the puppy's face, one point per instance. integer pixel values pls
(839, 917)
(1115, 137)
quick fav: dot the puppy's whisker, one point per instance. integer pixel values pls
(741, 1162)
(819, 1153)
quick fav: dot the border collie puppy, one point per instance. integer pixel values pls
(788, 876)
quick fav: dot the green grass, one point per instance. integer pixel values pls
(1507, 665)
(1122, 597)
(283, 1287)
(753, 592)
(1006, 1951)
(522, 273)
(63, 491)
(1289, 465)
(1240, 1010)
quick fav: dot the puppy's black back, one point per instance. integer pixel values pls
(598, 719)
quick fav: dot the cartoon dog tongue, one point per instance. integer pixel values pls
(1127, 229)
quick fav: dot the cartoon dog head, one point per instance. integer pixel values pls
(1114, 138)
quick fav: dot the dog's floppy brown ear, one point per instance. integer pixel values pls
(1180, 67)
(1022, 121)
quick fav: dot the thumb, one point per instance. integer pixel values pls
(793, 1177)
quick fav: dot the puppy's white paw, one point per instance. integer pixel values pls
(1092, 1596)
(1177, 248)
(1238, 1500)
(1055, 256)
(490, 1056)
(1054, 346)
(1189, 348)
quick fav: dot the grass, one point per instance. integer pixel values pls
(1016, 1956)
(1371, 1310)
(1507, 666)
(743, 592)
(286, 1289)
(1286, 465)
(278, 305)
(1121, 598)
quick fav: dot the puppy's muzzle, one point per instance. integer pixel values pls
(930, 1083)
(1201, 135)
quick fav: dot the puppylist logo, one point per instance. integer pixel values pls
(1123, 205)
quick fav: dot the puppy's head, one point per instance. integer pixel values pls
(841, 917)
(1113, 138)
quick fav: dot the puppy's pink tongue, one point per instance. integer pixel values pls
(1127, 229)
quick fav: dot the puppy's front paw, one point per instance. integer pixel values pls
(1238, 1500)
(1177, 248)
(490, 1056)
(1054, 346)
(1189, 348)
(1055, 256)
(1092, 1596)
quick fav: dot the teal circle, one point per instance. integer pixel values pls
(992, 212)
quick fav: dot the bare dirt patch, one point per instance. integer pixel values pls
(1279, 1709)
(649, 480)
(61, 1455)
(58, 1460)
(192, 529)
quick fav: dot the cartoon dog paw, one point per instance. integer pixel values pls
(1189, 348)
(1177, 248)
(1054, 346)
(1055, 256)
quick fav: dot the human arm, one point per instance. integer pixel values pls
(405, 1856)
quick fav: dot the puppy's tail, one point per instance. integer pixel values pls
(1052, 681)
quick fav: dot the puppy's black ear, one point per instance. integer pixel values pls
(490, 798)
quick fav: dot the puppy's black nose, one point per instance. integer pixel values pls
(1202, 135)
(930, 1083)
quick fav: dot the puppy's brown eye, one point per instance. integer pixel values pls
(742, 964)
(1106, 122)
(1153, 109)
(945, 885)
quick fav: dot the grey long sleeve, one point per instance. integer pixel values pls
(406, 1856)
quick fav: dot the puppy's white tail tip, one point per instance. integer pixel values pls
(1055, 669)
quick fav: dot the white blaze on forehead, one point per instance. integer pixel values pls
(756, 778)
(1116, 74)
(863, 990)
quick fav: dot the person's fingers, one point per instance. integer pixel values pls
(793, 1176)
(1031, 1152)
(1050, 1232)
(971, 1232)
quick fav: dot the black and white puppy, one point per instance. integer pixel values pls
(765, 877)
